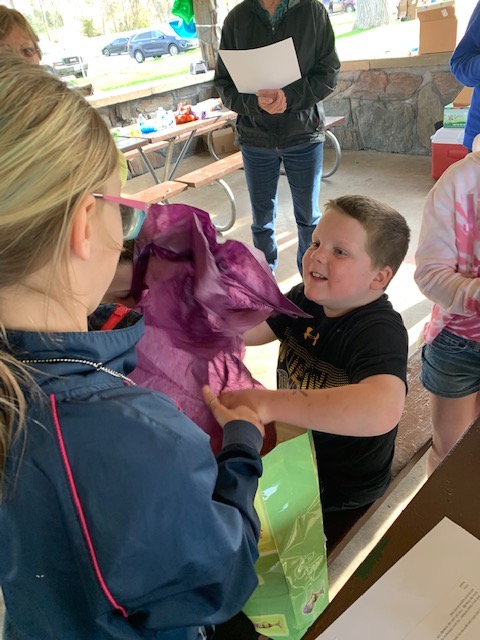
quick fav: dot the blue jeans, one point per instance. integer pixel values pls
(303, 166)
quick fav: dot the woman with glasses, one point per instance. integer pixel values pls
(116, 521)
(17, 35)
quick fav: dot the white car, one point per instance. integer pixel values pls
(62, 61)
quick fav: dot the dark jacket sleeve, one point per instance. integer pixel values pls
(179, 545)
(321, 81)
(465, 61)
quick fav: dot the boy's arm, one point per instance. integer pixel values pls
(261, 334)
(369, 408)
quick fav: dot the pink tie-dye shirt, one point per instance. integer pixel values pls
(448, 253)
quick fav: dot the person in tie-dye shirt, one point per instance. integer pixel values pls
(448, 269)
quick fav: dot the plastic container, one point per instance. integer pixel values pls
(146, 126)
(161, 118)
(454, 117)
(447, 148)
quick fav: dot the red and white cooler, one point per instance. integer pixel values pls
(447, 148)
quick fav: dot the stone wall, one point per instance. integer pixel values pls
(389, 105)
(392, 104)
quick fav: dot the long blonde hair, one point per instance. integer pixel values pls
(54, 150)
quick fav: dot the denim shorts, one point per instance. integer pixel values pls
(451, 366)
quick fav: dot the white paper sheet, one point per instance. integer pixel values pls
(432, 593)
(271, 67)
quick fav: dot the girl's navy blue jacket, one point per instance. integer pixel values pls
(117, 521)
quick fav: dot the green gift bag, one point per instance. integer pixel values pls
(292, 568)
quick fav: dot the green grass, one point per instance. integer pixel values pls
(150, 71)
(124, 79)
(157, 69)
(353, 32)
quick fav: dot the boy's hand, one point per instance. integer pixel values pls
(272, 100)
(238, 411)
(247, 398)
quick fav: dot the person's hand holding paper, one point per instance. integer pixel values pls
(272, 100)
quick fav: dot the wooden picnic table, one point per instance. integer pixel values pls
(179, 133)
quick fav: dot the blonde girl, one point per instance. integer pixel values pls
(115, 519)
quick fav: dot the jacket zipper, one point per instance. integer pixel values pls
(98, 366)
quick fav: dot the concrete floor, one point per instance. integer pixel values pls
(401, 181)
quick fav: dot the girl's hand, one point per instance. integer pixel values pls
(223, 414)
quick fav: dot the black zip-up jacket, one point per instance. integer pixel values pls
(247, 27)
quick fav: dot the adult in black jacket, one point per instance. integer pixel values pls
(285, 123)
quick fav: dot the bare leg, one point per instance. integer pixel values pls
(451, 417)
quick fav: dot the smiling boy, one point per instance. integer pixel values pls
(342, 373)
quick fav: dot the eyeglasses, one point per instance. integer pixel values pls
(26, 52)
(133, 214)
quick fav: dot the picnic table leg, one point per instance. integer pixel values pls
(181, 155)
(326, 173)
(210, 148)
(233, 207)
(149, 165)
(168, 159)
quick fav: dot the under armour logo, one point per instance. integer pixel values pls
(308, 335)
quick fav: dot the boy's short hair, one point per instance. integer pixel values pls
(387, 231)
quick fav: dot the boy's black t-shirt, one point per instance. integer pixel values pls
(322, 352)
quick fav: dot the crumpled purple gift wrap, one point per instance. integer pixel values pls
(198, 297)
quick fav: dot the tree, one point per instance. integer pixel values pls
(135, 15)
(43, 20)
(208, 30)
(89, 29)
(372, 13)
(162, 10)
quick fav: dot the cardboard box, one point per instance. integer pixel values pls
(464, 98)
(438, 28)
(447, 148)
(454, 117)
(223, 141)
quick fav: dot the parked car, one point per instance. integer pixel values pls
(154, 43)
(337, 6)
(62, 61)
(119, 45)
